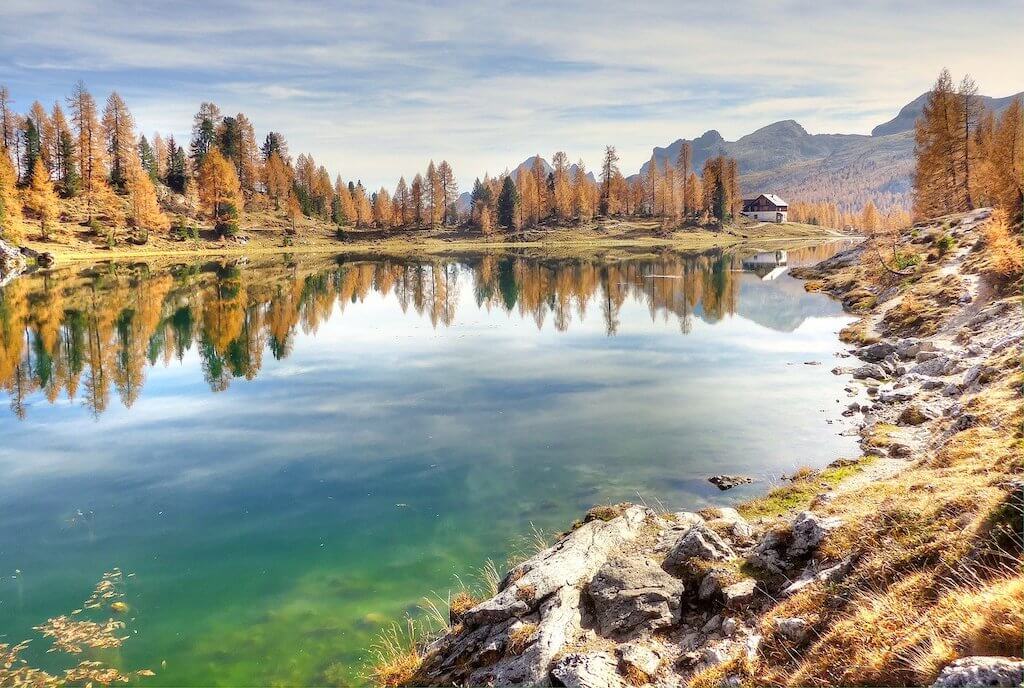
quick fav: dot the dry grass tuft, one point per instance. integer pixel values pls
(396, 656)
(520, 637)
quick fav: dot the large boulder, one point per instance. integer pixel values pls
(632, 592)
(971, 672)
(569, 563)
(700, 542)
(873, 353)
(871, 371)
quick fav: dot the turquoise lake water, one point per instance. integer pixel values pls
(288, 454)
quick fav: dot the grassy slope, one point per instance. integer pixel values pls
(937, 545)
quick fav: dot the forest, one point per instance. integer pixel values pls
(76, 163)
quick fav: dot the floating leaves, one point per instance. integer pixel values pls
(70, 635)
(107, 591)
(74, 636)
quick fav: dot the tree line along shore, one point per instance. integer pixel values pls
(79, 173)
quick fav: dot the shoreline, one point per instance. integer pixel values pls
(737, 595)
(633, 236)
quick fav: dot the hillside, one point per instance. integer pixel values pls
(784, 158)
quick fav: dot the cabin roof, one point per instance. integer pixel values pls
(771, 198)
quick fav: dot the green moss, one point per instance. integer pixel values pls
(800, 494)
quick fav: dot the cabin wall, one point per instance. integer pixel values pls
(767, 215)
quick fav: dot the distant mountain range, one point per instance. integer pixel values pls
(850, 169)
(783, 158)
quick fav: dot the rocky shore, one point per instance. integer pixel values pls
(864, 572)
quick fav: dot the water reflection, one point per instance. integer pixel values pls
(81, 333)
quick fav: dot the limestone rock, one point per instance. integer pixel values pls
(739, 595)
(970, 672)
(702, 543)
(632, 592)
(587, 670)
(729, 626)
(915, 414)
(730, 521)
(638, 657)
(874, 352)
(808, 531)
(869, 371)
(793, 629)
(569, 563)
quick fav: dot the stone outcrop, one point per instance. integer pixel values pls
(972, 672)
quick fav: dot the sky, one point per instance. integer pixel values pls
(376, 89)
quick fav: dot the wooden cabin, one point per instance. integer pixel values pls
(766, 208)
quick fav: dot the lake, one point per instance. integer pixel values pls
(288, 453)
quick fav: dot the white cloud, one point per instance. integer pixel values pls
(376, 89)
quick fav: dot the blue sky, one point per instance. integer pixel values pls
(375, 89)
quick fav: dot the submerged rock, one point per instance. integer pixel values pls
(727, 482)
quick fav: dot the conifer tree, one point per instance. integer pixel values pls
(40, 199)
(402, 202)
(119, 131)
(416, 199)
(47, 134)
(68, 177)
(684, 161)
(143, 209)
(89, 145)
(508, 204)
(609, 168)
(219, 192)
(59, 129)
(10, 204)
(176, 176)
(204, 133)
(31, 149)
(147, 158)
(7, 124)
(563, 195)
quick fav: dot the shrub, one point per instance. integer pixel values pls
(1004, 250)
(945, 244)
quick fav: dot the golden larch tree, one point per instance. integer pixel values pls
(219, 192)
(144, 211)
(10, 203)
(41, 200)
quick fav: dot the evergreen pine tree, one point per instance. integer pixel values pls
(33, 149)
(508, 204)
